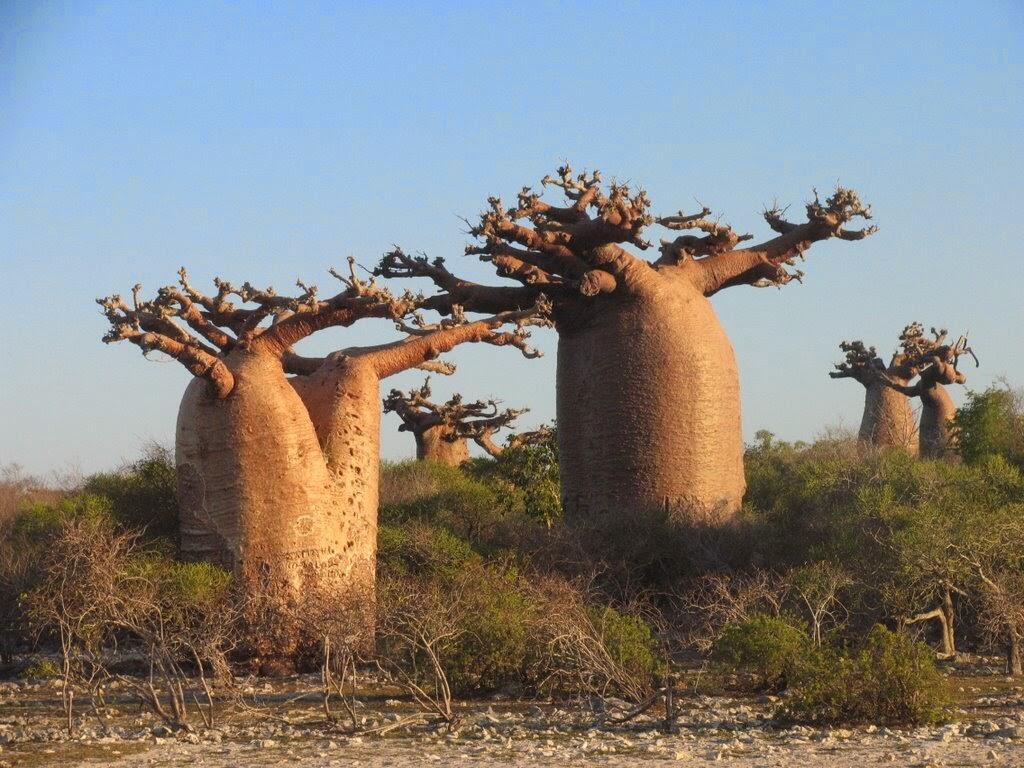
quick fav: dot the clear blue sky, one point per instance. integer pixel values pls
(268, 141)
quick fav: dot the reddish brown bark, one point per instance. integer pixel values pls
(648, 393)
(277, 475)
(888, 421)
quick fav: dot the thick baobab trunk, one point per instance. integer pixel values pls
(343, 401)
(255, 493)
(441, 445)
(937, 413)
(648, 410)
(888, 420)
(648, 404)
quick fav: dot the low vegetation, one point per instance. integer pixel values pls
(851, 573)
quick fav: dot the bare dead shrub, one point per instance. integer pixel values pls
(710, 603)
(592, 650)
(1000, 615)
(101, 594)
(418, 624)
(817, 589)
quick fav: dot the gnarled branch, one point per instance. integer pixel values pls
(145, 325)
(766, 264)
(426, 341)
(862, 363)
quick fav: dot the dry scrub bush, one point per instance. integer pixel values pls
(710, 603)
(74, 601)
(102, 595)
(418, 625)
(591, 649)
(507, 627)
(316, 630)
(486, 626)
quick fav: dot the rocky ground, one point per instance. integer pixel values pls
(986, 729)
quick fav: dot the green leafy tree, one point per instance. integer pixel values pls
(991, 423)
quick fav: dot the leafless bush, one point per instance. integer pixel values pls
(711, 602)
(818, 591)
(339, 630)
(100, 594)
(74, 601)
(418, 623)
(586, 650)
(1001, 615)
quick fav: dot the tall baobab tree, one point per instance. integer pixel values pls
(442, 430)
(648, 404)
(278, 454)
(888, 421)
(935, 360)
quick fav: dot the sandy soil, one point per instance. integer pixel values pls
(987, 729)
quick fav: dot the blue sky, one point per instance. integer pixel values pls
(268, 141)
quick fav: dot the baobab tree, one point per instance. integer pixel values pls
(278, 454)
(936, 364)
(888, 421)
(443, 431)
(648, 406)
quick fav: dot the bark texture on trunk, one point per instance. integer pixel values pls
(440, 444)
(937, 414)
(648, 409)
(343, 402)
(888, 420)
(256, 495)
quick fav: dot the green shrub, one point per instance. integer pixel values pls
(40, 521)
(450, 498)
(475, 621)
(417, 548)
(183, 590)
(43, 669)
(196, 583)
(890, 679)
(526, 477)
(991, 423)
(487, 512)
(496, 648)
(766, 647)
(142, 495)
(629, 642)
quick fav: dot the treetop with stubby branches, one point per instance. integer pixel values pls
(588, 247)
(201, 330)
(478, 420)
(933, 359)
